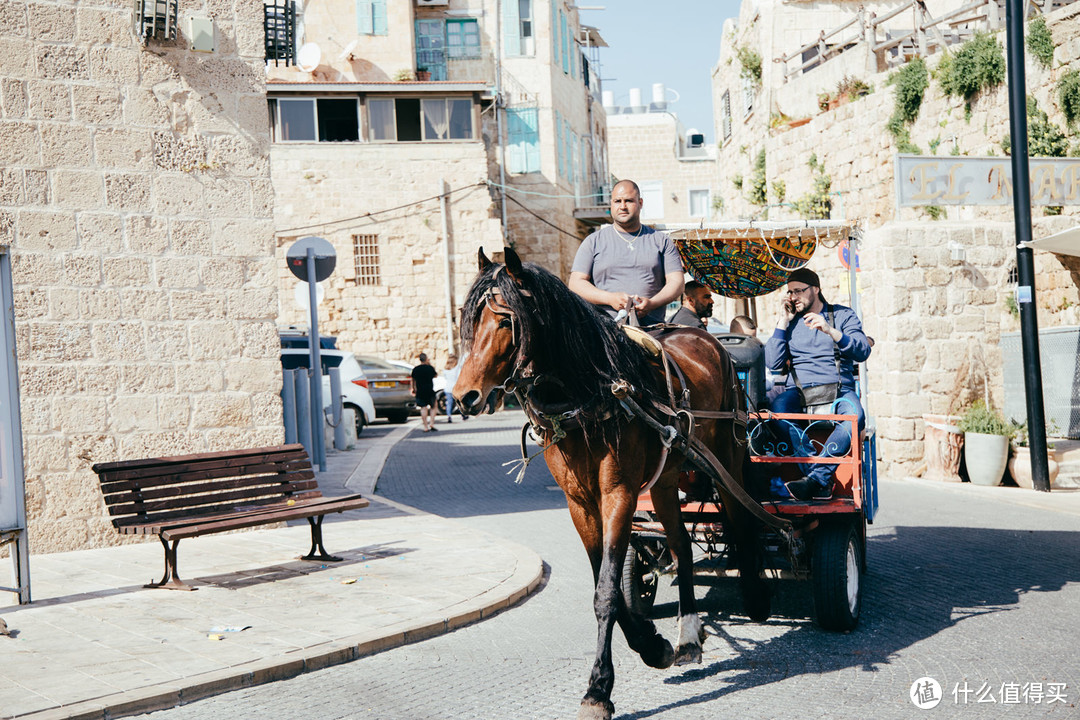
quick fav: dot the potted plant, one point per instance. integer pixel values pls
(942, 446)
(423, 74)
(1020, 461)
(986, 443)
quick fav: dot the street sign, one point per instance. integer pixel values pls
(929, 180)
(325, 258)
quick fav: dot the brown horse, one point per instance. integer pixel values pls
(527, 333)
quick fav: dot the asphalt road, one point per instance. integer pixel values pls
(981, 595)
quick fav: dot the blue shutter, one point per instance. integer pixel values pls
(364, 25)
(379, 17)
(564, 35)
(523, 148)
(511, 21)
(554, 33)
(560, 144)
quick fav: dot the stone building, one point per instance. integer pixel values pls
(135, 197)
(433, 130)
(935, 282)
(674, 167)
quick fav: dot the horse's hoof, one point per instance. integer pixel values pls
(663, 660)
(591, 710)
(688, 655)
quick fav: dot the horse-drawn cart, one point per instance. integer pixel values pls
(823, 541)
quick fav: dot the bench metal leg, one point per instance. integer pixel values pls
(171, 579)
(316, 543)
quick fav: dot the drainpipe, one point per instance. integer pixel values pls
(498, 116)
(444, 200)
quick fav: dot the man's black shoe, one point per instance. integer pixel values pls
(807, 489)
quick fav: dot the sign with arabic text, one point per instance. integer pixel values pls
(929, 180)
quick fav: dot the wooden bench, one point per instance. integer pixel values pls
(190, 495)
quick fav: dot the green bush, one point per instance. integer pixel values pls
(750, 62)
(1068, 88)
(911, 82)
(816, 204)
(1045, 139)
(982, 419)
(979, 64)
(1040, 43)
(758, 187)
(779, 190)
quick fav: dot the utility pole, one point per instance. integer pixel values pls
(1025, 264)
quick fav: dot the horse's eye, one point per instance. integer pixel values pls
(505, 323)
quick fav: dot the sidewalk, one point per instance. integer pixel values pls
(95, 644)
(1064, 500)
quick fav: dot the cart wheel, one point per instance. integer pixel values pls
(837, 576)
(640, 578)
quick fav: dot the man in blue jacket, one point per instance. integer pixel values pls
(818, 344)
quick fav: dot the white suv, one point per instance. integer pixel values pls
(354, 383)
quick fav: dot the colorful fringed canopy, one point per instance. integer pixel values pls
(751, 259)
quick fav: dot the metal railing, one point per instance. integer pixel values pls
(886, 47)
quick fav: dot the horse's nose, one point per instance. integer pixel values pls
(470, 402)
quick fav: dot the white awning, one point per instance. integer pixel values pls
(1066, 242)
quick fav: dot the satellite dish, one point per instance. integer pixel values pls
(348, 51)
(301, 295)
(308, 57)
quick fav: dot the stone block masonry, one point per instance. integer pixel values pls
(134, 186)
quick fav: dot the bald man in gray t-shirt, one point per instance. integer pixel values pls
(626, 264)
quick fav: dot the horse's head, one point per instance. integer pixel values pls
(493, 327)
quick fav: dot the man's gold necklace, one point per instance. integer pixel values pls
(629, 240)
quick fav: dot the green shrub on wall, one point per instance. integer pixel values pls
(911, 82)
(1068, 88)
(750, 62)
(1040, 43)
(816, 204)
(758, 193)
(1045, 139)
(979, 64)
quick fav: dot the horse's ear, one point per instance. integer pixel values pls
(482, 259)
(513, 262)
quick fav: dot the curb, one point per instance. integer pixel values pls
(1065, 500)
(527, 577)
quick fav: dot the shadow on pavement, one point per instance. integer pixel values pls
(940, 576)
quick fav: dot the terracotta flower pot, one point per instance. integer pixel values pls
(1020, 466)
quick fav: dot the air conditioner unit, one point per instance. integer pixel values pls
(433, 3)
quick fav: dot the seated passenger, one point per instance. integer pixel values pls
(821, 343)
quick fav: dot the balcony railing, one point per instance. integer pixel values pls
(888, 43)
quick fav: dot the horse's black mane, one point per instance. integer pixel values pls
(563, 336)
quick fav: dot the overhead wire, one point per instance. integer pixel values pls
(374, 213)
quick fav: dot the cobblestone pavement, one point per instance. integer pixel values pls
(980, 594)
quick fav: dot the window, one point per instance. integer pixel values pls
(317, 119)
(652, 198)
(431, 47)
(559, 143)
(366, 259)
(699, 202)
(462, 39)
(523, 145)
(371, 17)
(517, 28)
(555, 46)
(748, 92)
(725, 113)
(415, 119)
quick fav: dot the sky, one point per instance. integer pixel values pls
(675, 42)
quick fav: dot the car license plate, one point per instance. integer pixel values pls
(385, 384)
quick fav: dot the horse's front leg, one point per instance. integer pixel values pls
(691, 632)
(615, 513)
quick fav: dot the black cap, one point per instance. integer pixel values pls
(805, 275)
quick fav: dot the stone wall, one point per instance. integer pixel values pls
(405, 312)
(136, 198)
